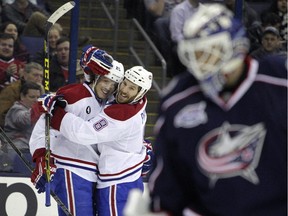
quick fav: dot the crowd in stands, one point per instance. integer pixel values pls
(164, 20)
(22, 70)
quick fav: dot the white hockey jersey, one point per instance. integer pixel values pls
(80, 159)
(119, 132)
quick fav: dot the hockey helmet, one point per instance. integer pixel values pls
(116, 72)
(141, 77)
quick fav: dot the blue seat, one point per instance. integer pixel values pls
(33, 44)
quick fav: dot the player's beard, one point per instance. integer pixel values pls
(123, 98)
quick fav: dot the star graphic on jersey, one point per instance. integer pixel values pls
(231, 150)
(226, 144)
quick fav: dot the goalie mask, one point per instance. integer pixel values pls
(141, 77)
(215, 44)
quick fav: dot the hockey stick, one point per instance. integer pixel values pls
(6, 139)
(50, 22)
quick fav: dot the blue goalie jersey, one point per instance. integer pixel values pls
(224, 157)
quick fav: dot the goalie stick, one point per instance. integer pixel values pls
(50, 22)
(6, 139)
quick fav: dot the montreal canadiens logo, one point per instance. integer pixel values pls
(231, 150)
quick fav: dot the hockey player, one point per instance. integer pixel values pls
(221, 144)
(118, 131)
(74, 180)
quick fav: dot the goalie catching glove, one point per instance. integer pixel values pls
(95, 61)
(38, 177)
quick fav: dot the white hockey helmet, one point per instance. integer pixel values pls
(141, 77)
(215, 43)
(116, 72)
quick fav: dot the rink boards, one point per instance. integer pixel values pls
(18, 197)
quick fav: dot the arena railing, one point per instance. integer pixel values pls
(137, 28)
(114, 20)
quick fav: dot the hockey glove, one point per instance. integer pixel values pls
(38, 177)
(36, 112)
(49, 103)
(95, 61)
(56, 119)
(148, 161)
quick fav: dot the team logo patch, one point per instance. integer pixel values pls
(100, 124)
(231, 150)
(88, 109)
(191, 116)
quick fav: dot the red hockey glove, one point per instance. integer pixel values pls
(148, 161)
(49, 103)
(56, 119)
(38, 177)
(35, 112)
(95, 61)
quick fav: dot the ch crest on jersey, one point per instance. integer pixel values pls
(191, 116)
(231, 150)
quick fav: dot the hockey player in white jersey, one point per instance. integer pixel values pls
(118, 131)
(74, 180)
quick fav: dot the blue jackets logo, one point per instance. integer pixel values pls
(231, 150)
(191, 116)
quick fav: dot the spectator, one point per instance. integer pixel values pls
(54, 35)
(79, 73)
(30, 19)
(20, 51)
(32, 72)
(271, 44)
(135, 9)
(43, 4)
(26, 15)
(59, 73)
(161, 8)
(279, 7)
(255, 34)
(180, 13)
(10, 68)
(271, 19)
(18, 125)
(158, 13)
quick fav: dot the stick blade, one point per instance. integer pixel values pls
(60, 12)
